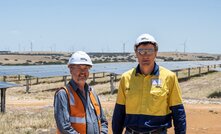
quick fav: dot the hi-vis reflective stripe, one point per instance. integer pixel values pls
(71, 96)
(77, 120)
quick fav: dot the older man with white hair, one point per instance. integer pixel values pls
(77, 108)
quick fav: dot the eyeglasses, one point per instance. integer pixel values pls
(142, 51)
(80, 67)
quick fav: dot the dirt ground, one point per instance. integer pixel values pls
(201, 119)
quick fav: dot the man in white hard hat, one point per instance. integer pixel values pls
(77, 108)
(149, 96)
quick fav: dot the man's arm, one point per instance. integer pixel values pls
(179, 119)
(61, 113)
(177, 108)
(118, 119)
(119, 110)
(104, 123)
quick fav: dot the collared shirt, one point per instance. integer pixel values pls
(61, 110)
(154, 72)
(148, 102)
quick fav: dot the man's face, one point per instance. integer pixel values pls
(79, 73)
(146, 54)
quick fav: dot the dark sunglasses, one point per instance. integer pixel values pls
(142, 51)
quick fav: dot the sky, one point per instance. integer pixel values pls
(109, 25)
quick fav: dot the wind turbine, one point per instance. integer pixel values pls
(184, 46)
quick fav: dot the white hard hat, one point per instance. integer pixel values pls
(80, 57)
(145, 38)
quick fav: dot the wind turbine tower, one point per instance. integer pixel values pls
(124, 48)
(184, 47)
(31, 45)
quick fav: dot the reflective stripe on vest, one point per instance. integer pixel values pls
(77, 120)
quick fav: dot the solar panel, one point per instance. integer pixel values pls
(217, 69)
(7, 85)
(42, 71)
(48, 74)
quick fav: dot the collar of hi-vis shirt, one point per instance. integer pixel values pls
(75, 86)
(155, 71)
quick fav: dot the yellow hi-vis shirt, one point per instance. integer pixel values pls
(146, 103)
(150, 95)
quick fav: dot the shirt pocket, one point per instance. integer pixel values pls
(158, 100)
(158, 91)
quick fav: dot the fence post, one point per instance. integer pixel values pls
(65, 80)
(199, 70)
(4, 78)
(112, 83)
(93, 77)
(19, 77)
(177, 73)
(3, 90)
(188, 72)
(27, 78)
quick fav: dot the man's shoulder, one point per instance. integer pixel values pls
(60, 91)
(165, 71)
(129, 72)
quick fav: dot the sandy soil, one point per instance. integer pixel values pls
(201, 118)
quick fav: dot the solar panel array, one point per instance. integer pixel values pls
(119, 68)
(41, 71)
(217, 69)
(6, 85)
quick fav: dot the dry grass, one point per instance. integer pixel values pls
(26, 120)
(202, 87)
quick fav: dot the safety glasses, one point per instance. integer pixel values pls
(80, 67)
(148, 51)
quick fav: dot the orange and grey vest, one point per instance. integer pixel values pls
(77, 110)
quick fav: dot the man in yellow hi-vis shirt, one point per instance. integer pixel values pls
(149, 96)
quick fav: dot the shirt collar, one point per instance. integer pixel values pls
(75, 86)
(154, 72)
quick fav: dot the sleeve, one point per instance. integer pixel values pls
(179, 119)
(61, 113)
(175, 97)
(177, 108)
(118, 119)
(104, 122)
(119, 110)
